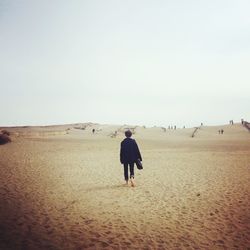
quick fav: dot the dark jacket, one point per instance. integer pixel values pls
(129, 152)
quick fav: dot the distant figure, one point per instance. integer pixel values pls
(129, 154)
(93, 130)
(202, 124)
(221, 131)
(242, 121)
(183, 126)
(171, 127)
(174, 127)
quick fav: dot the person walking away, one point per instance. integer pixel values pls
(129, 154)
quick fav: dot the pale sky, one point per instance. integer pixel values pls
(124, 62)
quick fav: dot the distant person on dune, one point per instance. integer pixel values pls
(129, 154)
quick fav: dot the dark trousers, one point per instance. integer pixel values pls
(131, 169)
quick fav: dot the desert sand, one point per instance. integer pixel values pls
(62, 187)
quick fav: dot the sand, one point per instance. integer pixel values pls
(62, 188)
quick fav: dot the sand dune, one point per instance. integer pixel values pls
(61, 187)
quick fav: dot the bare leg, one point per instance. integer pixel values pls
(132, 180)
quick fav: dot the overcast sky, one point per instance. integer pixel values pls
(124, 62)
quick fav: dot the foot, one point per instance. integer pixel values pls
(126, 184)
(132, 182)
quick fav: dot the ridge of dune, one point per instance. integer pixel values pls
(50, 130)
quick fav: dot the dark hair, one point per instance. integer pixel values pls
(128, 133)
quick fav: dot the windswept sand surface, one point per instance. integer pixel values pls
(65, 190)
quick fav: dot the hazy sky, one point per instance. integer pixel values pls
(124, 62)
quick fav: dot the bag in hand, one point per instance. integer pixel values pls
(139, 164)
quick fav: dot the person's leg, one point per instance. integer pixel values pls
(126, 172)
(131, 168)
(132, 175)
